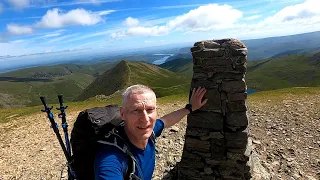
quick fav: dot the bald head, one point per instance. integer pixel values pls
(136, 89)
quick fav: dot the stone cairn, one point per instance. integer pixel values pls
(217, 134)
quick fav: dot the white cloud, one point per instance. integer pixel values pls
(250, 18)
(153, 21)
(14, 29)
(306, 10)
(51, 35)
(61, 38)
(102, 13)
(75, 2)
(56, 18)
(87, 1)
(148, 31)
(206, 17)
(293, 19)
(131, 22)
(78, 37)
(177, 6)
(119, 34)
(17, 41)
(19, 4)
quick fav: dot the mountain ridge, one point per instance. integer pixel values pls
(126, 73)
(269, 74)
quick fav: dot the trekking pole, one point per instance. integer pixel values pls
(64, 125)
(54, 126)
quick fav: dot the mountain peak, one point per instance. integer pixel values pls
(127, 73)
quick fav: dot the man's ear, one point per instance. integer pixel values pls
(122, 113)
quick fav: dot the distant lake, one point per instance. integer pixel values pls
(161, 60)
(250, 91)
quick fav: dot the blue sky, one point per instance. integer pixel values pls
(32, 26)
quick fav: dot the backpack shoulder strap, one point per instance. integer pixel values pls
(113, 139)
(153, 137)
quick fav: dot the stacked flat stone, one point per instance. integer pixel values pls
(216, 136)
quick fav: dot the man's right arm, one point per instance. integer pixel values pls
(108, 165)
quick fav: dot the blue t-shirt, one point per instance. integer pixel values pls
(111, 163)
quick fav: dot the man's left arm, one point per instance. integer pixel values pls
(196, 103)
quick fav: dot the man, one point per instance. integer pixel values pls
(140, 119)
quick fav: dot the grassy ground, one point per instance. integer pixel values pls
(279, 94)
(272, 95)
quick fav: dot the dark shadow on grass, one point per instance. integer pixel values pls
(15, 79)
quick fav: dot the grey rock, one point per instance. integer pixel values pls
(213, 162)
(257, 170)
(208, 170)
(210, 44)
(213, 135)
(204, 83)
(209, 120)
(233, 44)
(239, 52)
(197, 145)
(218, 148)
(237, 140)
(237, 106)
(208, 53)
(197, 132)
(234, 86)
(236, 120)
(237, 96)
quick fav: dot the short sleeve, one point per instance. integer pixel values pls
(158, 127)
(109, 164)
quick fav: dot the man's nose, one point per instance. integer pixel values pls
(144, 116)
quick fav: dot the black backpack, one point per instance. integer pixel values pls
(92, 129)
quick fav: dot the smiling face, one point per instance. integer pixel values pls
(139, 115)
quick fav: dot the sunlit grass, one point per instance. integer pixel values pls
(262, 96)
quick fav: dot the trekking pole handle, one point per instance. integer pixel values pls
(60, 97)
(43, 100)
(62, 108)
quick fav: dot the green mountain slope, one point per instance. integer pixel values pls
(23, 87)
(59, 70)
(126, 73)
(269, 74)
(180, 65)
(27, 92)
(287, 71)
(298, 52)
(314, 60)
(268, 47)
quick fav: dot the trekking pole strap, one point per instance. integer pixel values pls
(64, 126)
(64, 123)
(54, 126)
